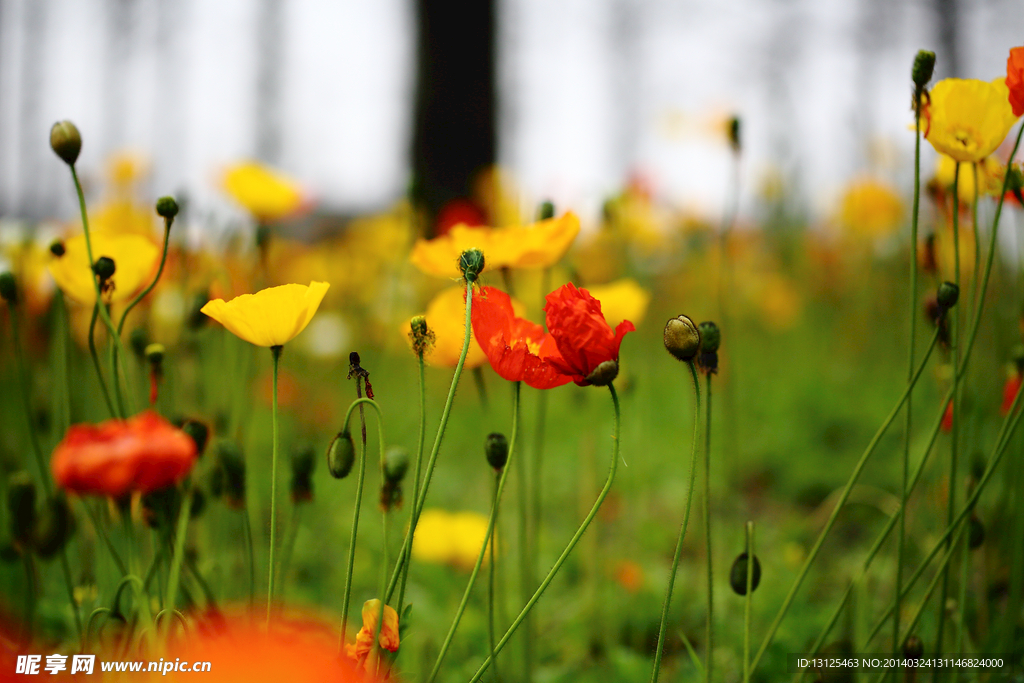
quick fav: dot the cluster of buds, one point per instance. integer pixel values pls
(393, 469)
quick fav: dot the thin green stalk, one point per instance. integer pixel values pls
(106, 538)
(957, 409)
(96, 361)
(142, 295)
(355, 515)
(534, 521)
(481, 386)
(568, 548)
(854, 476)
(682, 530)
(708, 642)
(487, 542)
(419, 464)
(403, 555)
(275, 352)
(490, 581)
(247, 528)
(977, 239)
(179, 549)
(525, 583)
(747, 600)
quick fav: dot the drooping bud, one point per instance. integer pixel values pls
(924, 65)
(396, 464)
(104, 268)
(471, 263)
(975, 533)
(167, 207)
(496, 449)
(21, 505)
(738, 574)
(54, 526)
(604, 374)
(66, 141)
(303, 460)
(947, 295)
(682, 339)
(199, 432)
(8, 287)
(546, 210)
(341, 454)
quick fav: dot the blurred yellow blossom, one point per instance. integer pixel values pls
(539, 245)
(947, 256)
(968, 119)
(870, 209)
(135, 261)
(266, 193)
(270, 317)
(622, 300)
(990, 177)
(453, 538)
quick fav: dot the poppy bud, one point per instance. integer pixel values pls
(8, 287)
(232, 466)
(167, 207)
(138, 340)
(198, 503)
(738, 575)
(341, 454)
(924, 65)
(682, 339)
(710, 337)
(975, 533)
(604, 374)
(21, 504)
(421, 336)
(546, 210)
(733, 131)
(471, 263)
(396, 464)
(155, 354)
(947, 295)
(66, 141)
(496, 449)
(199, 432)
(53, 528)
(104, 268)
(303, 460)
(57, 248)
(913, 648)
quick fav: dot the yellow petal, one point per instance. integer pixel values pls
(622, 300)
(270, 317)
(267, 194)
(969, 118)
(135, 262)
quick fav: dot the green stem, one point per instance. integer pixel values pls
(275, 352)
(708, 643)
(656, 671)
(525, 583)
(977, 239)
(159, 272)
(179, 549)
(419, 465)
(96, 361)
(403, 555)
(746, 602)
(568, 549)
(101, 530)
(535, 487)
(247, 528)
(490, 582)
(854, 476)
(487, 542)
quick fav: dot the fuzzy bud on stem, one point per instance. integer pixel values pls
(471, 263)
(167, 207)
(924, 65)
(682, 339)
(496, 450)
(66, 141)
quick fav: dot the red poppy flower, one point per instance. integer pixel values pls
(1015, 79)
(1010, 391)
(144, 453)
(518, 350)
(947, 418)
(584, 338)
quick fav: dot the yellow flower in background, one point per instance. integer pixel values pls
(990, 177)
(270, 317)
(125, 168)
(622, 300)
(266, 193)
(946, 253)
(540, 245)
(968, 119)
(135, 261)
(870, 208)
(451, 538)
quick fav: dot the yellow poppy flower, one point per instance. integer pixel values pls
(522, 246)
(265, 193)
(270, 317)
(968, 119)
(622, 300)
(449, 538)
(135, 262)
(870, 208)
(990, 177)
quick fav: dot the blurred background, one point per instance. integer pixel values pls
(573, 97)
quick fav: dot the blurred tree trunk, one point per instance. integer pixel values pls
(268, 80)
(948, 62)
(454, 133)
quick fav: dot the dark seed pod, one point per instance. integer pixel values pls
(21, 504)
(975, 533)
(738, 574)
(104, 268)
(54, 527)
(496, 449)
(57, 248)
(604, 374)
(341, 455)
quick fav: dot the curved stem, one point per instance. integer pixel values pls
(403, 555)
(96, 361)
(419, 466)
(568, 548)
(275, 351)
(487, 541)
(656, 671)
(179, 549)
(159, 272)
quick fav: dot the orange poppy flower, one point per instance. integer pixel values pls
(584, 338)
(1015, 79)
(518, 350)
(1010, 391)
(144, 453)
(361, 651)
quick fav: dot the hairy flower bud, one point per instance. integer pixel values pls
(167, 207)
(422, 338)
(8, 287)
(738, 575)
(104, 268)
(57, 248)
(947, 295)
(924, 65)
(66, 141)
(682, 339)
(496, 449)
(471, 263)
(341, 454)
(396, 464)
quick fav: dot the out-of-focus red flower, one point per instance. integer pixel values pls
(241, 650)
(583, 337)
(1015, 79)
(947, 418)
(1010, 391)
(518, 350)
(144, 453)
(458, 211)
